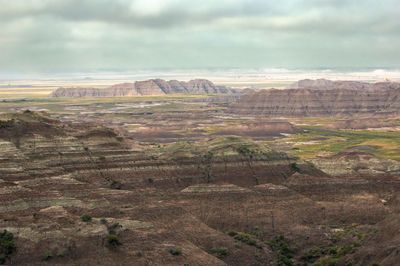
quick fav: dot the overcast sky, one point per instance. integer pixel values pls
(79, 35)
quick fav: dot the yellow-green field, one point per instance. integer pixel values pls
(321, 142)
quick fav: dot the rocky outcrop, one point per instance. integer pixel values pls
(309, 102)
(147, 87)
(324, 84)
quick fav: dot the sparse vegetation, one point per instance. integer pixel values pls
(285, 253)
(326, 261)
(312, 255)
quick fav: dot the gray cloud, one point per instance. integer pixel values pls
(92, 34)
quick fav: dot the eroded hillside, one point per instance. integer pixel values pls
(79, 193)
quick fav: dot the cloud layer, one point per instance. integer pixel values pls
(78, 35)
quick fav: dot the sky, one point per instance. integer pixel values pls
(102, 35)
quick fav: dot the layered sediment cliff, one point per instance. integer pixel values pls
(147, 87)
(309, 102)
(325, 84)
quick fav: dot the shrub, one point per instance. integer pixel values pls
(284, 260)
(86, 218)
(6, 123)
(7, 245)
(47, 255)
(175, 251)
(113, 241)
(103, 221)
(102, 158)
(222, 252)
(243, 237)
(346, 249)
(333, 251)
(115, 184)
(294, 167)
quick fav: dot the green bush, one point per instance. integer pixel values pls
(243, 237)
(175, 251)
(113, 241)
(333, 250)
(7, 245)
(86, 218)
(222, 252)
(103, 221)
